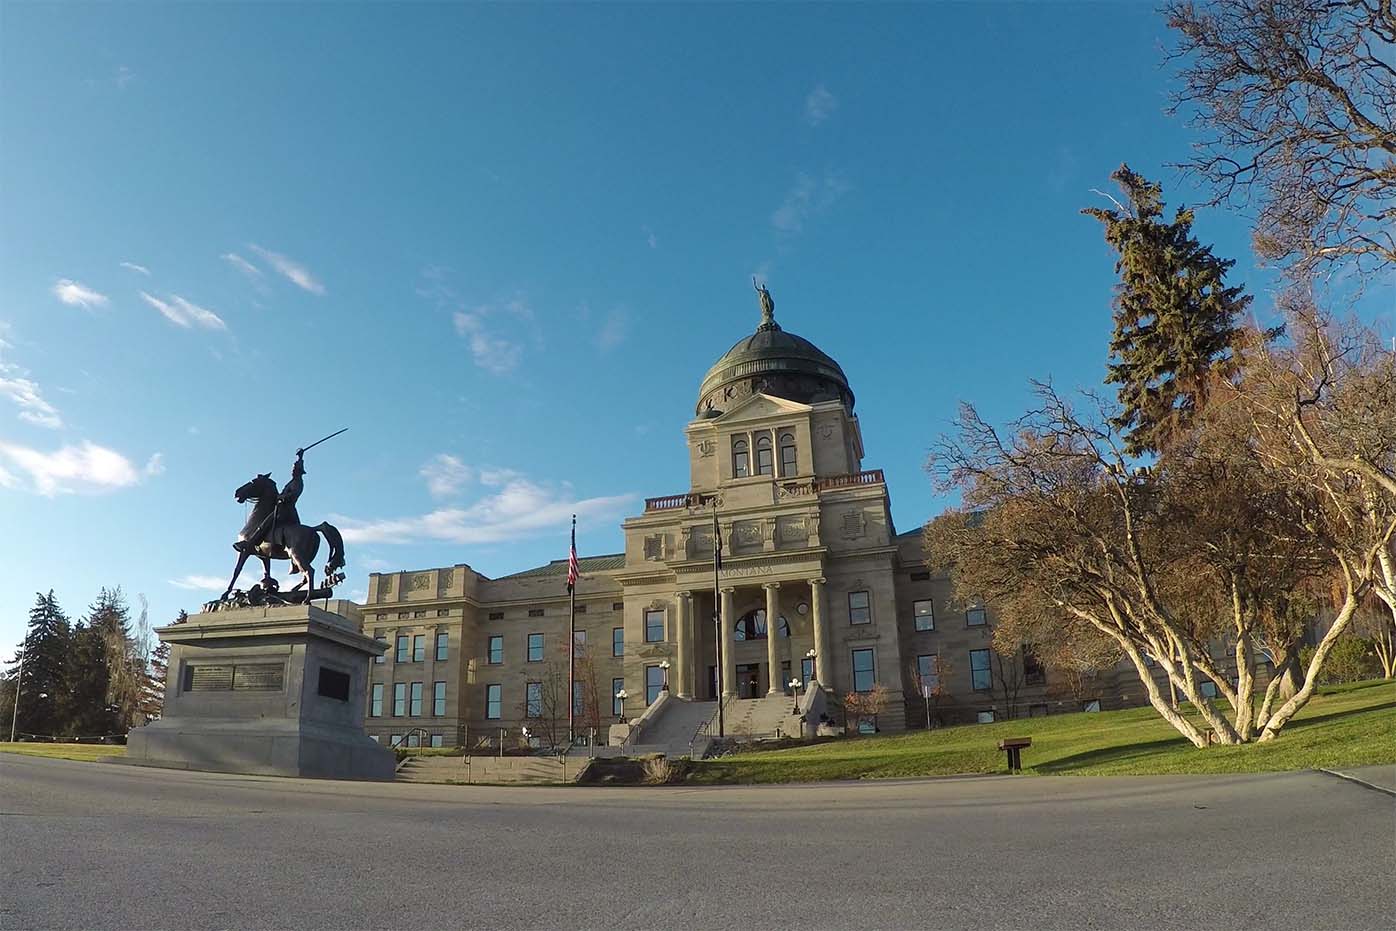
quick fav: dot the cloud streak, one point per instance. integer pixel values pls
(185, 313)
(291, 270)
(446, 475)
(808, 197)
(520, 509)
(492, 351)
(82, 469)
(819, 105)
(76, 294)
(247, 268)
(135, 268)
(26, 395)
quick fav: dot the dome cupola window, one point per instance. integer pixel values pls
(741, 458)
(765, 457)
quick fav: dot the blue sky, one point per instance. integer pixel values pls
(502, 244)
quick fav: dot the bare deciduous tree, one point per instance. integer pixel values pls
(1297, 103)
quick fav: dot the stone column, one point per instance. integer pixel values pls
(823, 662)
(729, 652)
(683, 665)
(775, 685)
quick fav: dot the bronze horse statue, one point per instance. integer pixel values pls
(274, 531)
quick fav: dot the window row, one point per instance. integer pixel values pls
(414, 739)
(536, 644)
(407, 699)
(413, 648)
(765, 450)
(923, 613)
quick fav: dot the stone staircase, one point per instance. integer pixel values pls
(757, 718)
(515, 770)
(672, 730)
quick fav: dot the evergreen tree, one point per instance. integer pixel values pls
(153, 704)
(108, 669)
(1175, 318)
(43, 683)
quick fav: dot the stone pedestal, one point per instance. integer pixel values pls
(270, 691)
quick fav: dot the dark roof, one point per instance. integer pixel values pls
(559, 566)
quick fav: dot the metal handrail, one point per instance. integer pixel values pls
(706, 728)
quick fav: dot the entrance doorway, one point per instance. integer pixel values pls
(749, 680)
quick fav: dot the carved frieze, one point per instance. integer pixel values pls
(746, 534)
(706, 448)
(421, 581)
(655, 547)
(855, 525)
(793, 530)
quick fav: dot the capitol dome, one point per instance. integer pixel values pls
(774, 362)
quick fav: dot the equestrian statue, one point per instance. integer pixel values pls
(274, 531)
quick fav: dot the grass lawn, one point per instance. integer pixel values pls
(85, 752)
(1342, 726)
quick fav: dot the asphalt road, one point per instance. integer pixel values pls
(85, 845)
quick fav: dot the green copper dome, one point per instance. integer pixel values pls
(774, 362)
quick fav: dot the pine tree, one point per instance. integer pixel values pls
(48, 637)
(108, 670)
(1175, 318)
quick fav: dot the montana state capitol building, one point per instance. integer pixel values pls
(775, 450)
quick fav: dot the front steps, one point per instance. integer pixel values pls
(508, 770)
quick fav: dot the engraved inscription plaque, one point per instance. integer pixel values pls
(259, 677)
(209, 678)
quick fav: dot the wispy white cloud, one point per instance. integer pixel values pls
(242, 265)
(819, 105)
(613, 330)
(155, 465)
(76, 294)
(808, 196)
(27, 396)
(446, 475)
(291, 270)
(200, 583)
(124, 76)
(185, 313)
(520, 509)
(136, 268)
(650, 238)
(82, 469)
(491, 350)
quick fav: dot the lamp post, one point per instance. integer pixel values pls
(813, 665)
(621, 696)
(664, 665)
(795, 687)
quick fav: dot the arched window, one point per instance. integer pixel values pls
(765, 457)
(741, 461)
(752, 626)
(787, 454)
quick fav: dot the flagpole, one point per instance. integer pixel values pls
(717, 619)
(572, 644)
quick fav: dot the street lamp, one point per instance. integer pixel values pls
(621, 696)
(795, 687)
(664, 665)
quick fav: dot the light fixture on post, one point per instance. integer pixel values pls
(795, 687)
(664, 665)
(621, 696)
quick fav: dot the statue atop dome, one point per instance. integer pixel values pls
(768, 306)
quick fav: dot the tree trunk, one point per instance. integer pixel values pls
(1301, 698)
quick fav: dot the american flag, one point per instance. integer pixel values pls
(573, 570)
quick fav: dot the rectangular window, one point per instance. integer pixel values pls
(494, 698)
(928, 672)
(438, 698)
(436, 740)
(415, 700)
(1033, 673)
(654, 684)
(496, 615)
(381, 657)
(399, 699)
(741, 458)
(533, 700)
(419, 648)
(806, 670)
(980, 676)
(617, 606)
(864, 670)
(401, 656)
(1093, 705)
(535, 648)
(394, 740)
(765, 459)
(578, 699)
(496, 650)
(375, 707)
(579, 642)
(535, 612)
(414, 739)
(924, 611)
(975, 616)
(581, 609)
(787, 455)
(920, 577)
(443, 645)
(984, 717)
(859, 611)
(1208, 689)
(618, 641)
(654, 626)
(617, 685)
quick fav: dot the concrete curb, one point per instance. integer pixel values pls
(1362, 782)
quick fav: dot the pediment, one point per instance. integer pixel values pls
(760, 407)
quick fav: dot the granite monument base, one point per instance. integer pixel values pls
(277, 691)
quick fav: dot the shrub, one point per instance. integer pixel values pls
(1351, 660)
(658, 771)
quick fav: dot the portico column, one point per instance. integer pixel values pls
(729, 652)
(823, 667)
(772, 638)
(684, 658)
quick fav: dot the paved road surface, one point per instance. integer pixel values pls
(87, 845)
